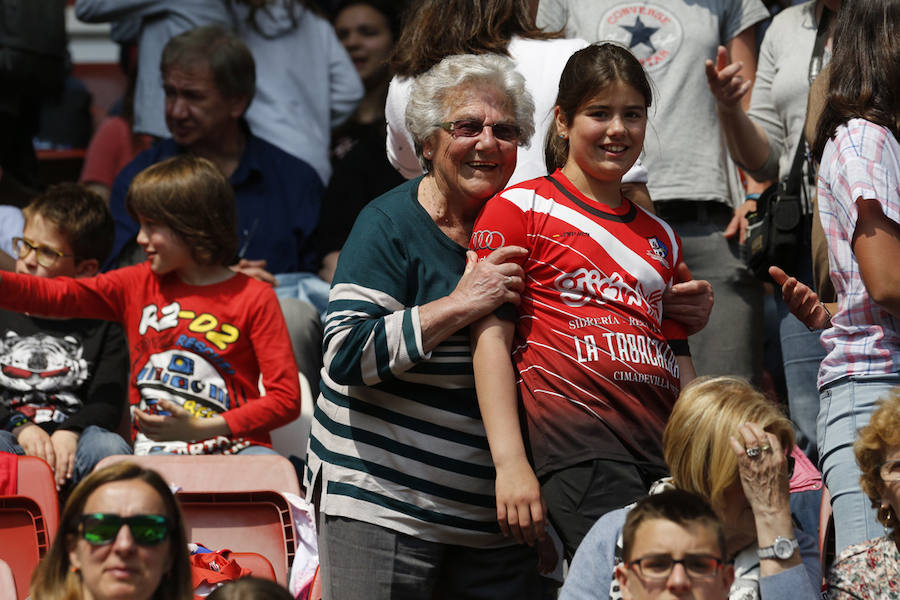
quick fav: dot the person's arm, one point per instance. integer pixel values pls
(100, 11)
(802, 301)
(98, 297)
(104, 396)
(346, 88)
(370, 334)
(747, 141)
(520, 508)
(876, 245)
(742, 49)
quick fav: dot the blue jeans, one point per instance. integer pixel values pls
(94, 444)
(846, 406)
(362, 561)
(304, 286)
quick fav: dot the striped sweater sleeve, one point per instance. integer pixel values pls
(370, 333)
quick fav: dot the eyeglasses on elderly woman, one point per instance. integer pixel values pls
(507, 132)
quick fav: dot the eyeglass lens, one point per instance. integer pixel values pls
(470, 128)
(46, 256)
(147, 530)
(660, 567)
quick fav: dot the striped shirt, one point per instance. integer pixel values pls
(861, 161)
(397, 438)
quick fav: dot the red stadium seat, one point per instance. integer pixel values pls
(23, 539)
(35, 480)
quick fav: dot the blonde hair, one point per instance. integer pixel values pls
(875, 439)
(696, 439)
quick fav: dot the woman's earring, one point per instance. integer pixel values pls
(886, 515)
(562, 136)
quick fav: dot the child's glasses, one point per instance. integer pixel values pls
(659, 566)
(471, 127)
(100, 529)
(46, 256)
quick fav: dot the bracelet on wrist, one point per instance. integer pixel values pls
(752, 197)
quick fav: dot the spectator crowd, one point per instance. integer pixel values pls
(507, 247)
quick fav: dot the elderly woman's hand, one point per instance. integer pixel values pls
(489, 283)
(762, 466)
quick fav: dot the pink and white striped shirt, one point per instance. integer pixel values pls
(862, 161)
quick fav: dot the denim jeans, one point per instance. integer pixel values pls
(94, 444)
(362, 561)
(304, 286)
(846, 405)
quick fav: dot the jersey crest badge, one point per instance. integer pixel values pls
(658, 251)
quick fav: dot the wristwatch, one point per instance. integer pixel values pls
(782, 549)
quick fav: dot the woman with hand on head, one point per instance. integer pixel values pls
(121, 537)
(868, 571)
(726, 442)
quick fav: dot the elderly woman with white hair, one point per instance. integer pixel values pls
(399, 464)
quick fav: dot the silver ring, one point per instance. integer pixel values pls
(766, 448)
(508, 280)
(753, 452)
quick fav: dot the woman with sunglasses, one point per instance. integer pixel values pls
(726, 442)
(121, 536)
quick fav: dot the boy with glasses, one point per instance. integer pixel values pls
(62, 382)
(673, 547)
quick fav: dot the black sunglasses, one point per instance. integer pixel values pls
(99, 529)
(507, 132)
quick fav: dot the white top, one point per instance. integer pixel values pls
(541, 63)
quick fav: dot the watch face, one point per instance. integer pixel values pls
(783, 548)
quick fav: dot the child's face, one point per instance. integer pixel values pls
(607, 134)
(165, 250)
(53, 247)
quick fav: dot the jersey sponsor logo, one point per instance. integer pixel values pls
(586, 285)
(650, 31)
(658, 251)
(568, 234)
(628, 348)
(579, 322)
(487, 240)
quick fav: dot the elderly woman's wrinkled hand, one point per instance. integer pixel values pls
(489, 283)
(763, 469)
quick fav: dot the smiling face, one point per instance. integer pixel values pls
(472, 169)
(663, 537)
(366, 36)
(606, 134)
(122, 568)
(197, 114)
(165, 250)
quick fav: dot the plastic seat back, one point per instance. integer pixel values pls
(23, 539)
(35, 481)
(217, 473)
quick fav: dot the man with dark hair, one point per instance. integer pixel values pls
(63, 381)
(673, 547)
(209, 80)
